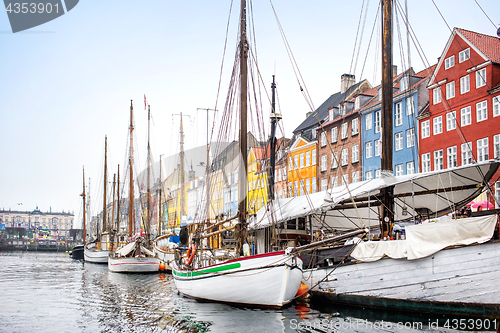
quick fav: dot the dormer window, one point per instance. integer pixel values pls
(449, 62)
(342, 109)
(330, 114)
(404, 83)
(356, 103)
(380, 94)
(464, 55)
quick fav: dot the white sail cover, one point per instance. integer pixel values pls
(435, 194)
(423, 240)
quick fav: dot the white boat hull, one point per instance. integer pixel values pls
(96, 256)
(268, 280)
(459, 281)
(133, 264)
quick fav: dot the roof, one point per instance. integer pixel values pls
(488, 45)
(322, 111)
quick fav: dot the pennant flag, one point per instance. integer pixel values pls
(144, 101)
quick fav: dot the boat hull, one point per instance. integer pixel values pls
(96, 256)
(77, 252)
(133, 264)
(459, 281)
(269, 280)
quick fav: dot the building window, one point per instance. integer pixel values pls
(465, 116)
(334, 160)
(426, 162)
(450, 90)
(313, 157)
(369, 175)
(482, 111)
(438, 159)
(334, 134)
(426, 132)
(410, 137)
(290, 163)
(399, 169)
(466, 153)
(343, 134)
(331, 114)
(496, 146)
(323, 139)
(323, 162)
(355, 176)
(451, 153)
(368, 121)
(410, 108)
(355, 154)
(398, 114)
(377, 173)
(464, 55)
(324, 184)
(308, 158)
(296, 161)
(302, 162)
(449, 62)
(437, 125)
(450, 121)
(301, 188)
(314, 185)
(480, 78)
(398, 138)
(377, 121)
(410, 168)
(436, 95)
(496, 106)
(308, 186)
(356, 103)
(378, 148)
(344, 157)
(355, 127)
(345, 179)
(464, 84)
(482, 150)
(368, 149)
(403, 83)
(335, 182)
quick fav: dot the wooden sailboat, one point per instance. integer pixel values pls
(98, 251)
(77, 252)
(265, 280)
(448, 267)
(134, 257)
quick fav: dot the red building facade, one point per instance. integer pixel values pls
(462, 124)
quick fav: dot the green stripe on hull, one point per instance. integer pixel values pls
(208, 270)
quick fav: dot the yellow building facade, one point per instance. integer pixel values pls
(257, 179)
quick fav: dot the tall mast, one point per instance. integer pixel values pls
(117, 225)
(131, 174)
(275, 117)
(159, 202)
(183, 199)
(114, 205)
(104, 211)
(84, 208)
(242, 206)
(387, 207)
(148, 219)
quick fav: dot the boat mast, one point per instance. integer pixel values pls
(183, 199)
(387, 207)
(110, 231)
(117, 225)
(84, 207)
(275, 117)
(104, 211)
(131, 174)
(242, 206)
(148, 219)
(159, 202)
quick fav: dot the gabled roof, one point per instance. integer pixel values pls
(322, 111)
(488, 47)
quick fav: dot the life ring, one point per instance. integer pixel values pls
(190, 254)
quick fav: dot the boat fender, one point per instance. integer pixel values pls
(246, 250)
(162, 266)
(190, 254)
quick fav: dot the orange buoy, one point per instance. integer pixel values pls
(162, 266)
(302, 292)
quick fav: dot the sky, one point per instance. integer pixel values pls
(68, 83)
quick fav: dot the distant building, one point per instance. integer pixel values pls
(50, 223)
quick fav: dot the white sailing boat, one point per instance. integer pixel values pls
(98, 251)
(265, 280)
(134, 257)
(448, 267)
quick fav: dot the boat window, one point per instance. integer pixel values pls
(291, 224)
(302, 223)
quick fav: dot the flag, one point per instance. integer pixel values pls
(144, 101)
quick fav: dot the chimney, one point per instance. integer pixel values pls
(394, 71)
(308, 114)
(346, 81)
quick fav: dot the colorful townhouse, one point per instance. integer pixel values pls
(302, 171)
(339, 143)
(257, 180)
(462, 124)
(409, 98)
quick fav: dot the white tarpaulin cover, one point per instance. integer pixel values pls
(423, 240)
(124, 250)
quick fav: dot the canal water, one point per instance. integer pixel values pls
(50, 292)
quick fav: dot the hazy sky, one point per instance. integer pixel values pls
(68, 83)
